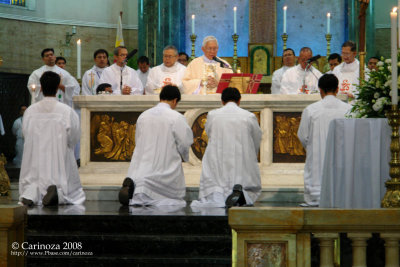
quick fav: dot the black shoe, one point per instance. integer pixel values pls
(236, 198)
(27, 202)
(51, 198)
(126, 192)
(78, 163)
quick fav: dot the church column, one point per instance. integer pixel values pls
(391, 249)
(359, 244)
(161, 23)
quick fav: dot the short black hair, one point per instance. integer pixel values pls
(289, 49)
(61, 58)
(377, 58)
(100, 51)
(328, 83)
(170, 92)
(143, 59)
(102, 87)
(50, 82)
(335, 56)
(47, 50)
(351, 44)
(230, 94)
(186, 55)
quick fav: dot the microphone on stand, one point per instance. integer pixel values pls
(222, 64)
(313, 58)
(130, 55)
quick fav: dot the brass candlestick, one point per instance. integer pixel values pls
(235, 38)
(284, 38)
(362, 63)
(193, 38)
(392, 196)
(328, 38)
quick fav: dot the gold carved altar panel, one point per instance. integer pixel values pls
(286, 144)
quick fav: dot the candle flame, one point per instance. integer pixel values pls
(193, 16)
(285, 7)
(328, 15)
(78, 42)
(33, 87)
(234, 9)
(394, 10)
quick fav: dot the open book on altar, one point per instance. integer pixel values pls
(246, 83)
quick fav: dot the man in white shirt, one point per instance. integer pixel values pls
(348, 72)
(183, 58)
(168, 73)
(67, 84)
(202, 75)
(163, 139)
(313, 131)
(288, 59)
(49, 174)
(90, 80)
(143, 69)
(333, 60)
(230, 174)
(303, 78)
(123, 79)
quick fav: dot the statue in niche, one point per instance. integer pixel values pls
(285, 136)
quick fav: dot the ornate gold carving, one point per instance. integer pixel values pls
(116, 139)
(285, 136)
(4, 179)
(200, 138)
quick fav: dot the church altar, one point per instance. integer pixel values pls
(105, 157)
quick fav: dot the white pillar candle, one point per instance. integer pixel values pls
(193, 24)
(393, 19)
(328, 23)
(78, 59)
(234, 20)
(284, 19)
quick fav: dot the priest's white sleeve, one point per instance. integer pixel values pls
(85, 84)
(190, 83)
(285, 85)
(183, 137)
(136, 84)
(151, 83)
(34, 80)
(276, 82)
(71, 84)
(304, 128)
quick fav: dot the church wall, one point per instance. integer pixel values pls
(382, 27)
(26, 32)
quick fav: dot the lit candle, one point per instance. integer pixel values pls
(284, 19)
(393, 19)
(78, 59)
(328, 23)
(234, 20)
(33, 93)
(193, 24)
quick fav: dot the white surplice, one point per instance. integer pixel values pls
(143, 76)
(51, 130)
(19, 145)
(348, 76)
(196, 72)
(90, 80)
(160, 75)
(312, 133)
(67, 80)
(230, 158)
(276, 80)
(163, 138)
(112, 75)
(294, 78)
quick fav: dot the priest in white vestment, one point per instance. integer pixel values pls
(202, 75)
(17, 131)
(163, 139)
(168, 73)
(66, 87)
(288, 59)
(303, 78)
(49, 174)
(348, 72)
(143, 69)
(123, 79)
(90, 80)
(313, 131)
(230, 159)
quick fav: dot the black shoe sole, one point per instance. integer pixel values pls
(51, 198)
(126, 192)
(27, 202)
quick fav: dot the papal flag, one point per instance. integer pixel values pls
(119, 40)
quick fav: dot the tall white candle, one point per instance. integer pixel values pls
(328, 23)
(78, 59)
(393, 19)
(234, 20)
(284, 19)
(193, 24)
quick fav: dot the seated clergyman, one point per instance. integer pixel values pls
(49, 174)
(163, 138)
(230, 160)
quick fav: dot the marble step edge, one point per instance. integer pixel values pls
(125, 236)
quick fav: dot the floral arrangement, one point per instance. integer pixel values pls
(374, 94)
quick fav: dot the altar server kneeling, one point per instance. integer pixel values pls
(230, 174)
(163, 138)
(49, 174)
